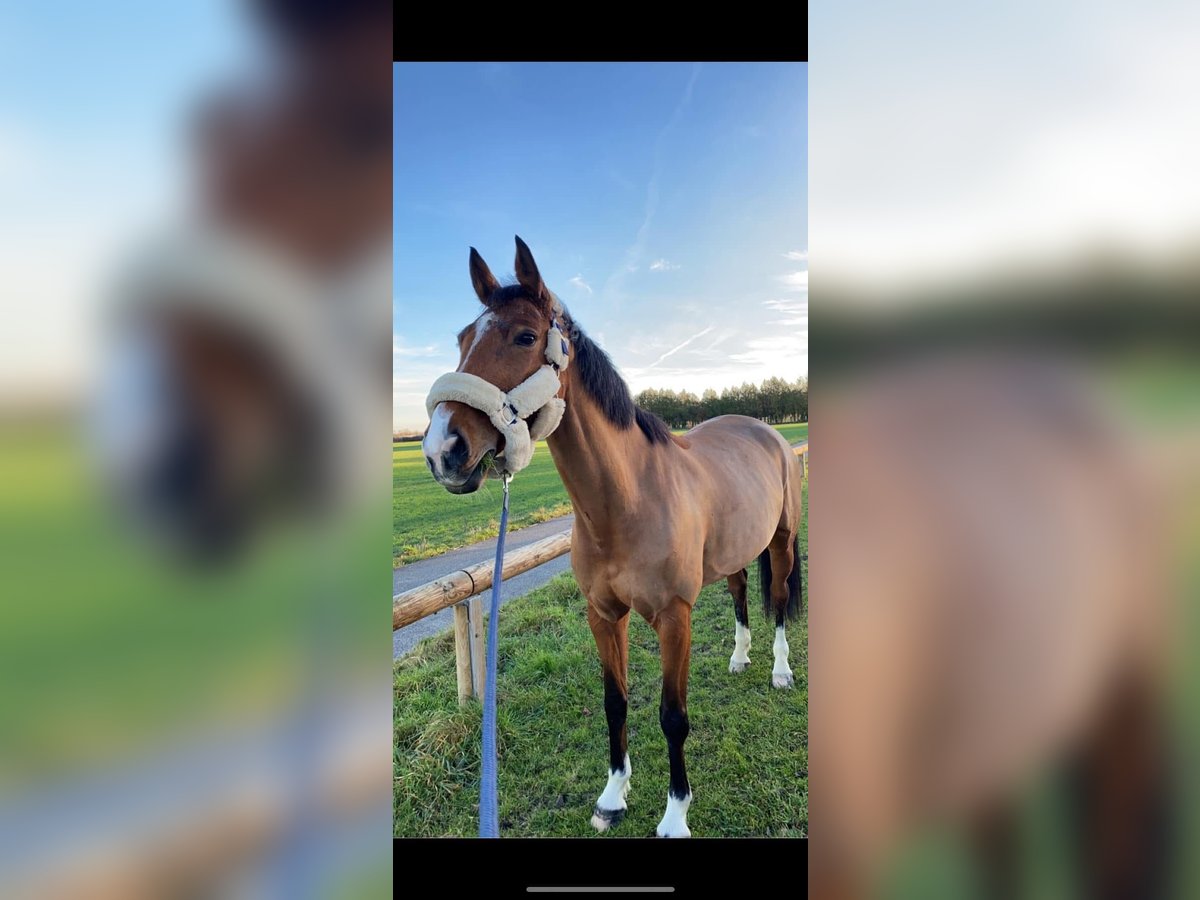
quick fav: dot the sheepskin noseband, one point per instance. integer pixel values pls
(533, 400)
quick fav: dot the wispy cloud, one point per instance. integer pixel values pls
(400, 348)
(779, 352)
(634, 253)
(795, 281)
(726, 358)
(663, 265)
(786, 306)
(797, 255)
(795, 312)
(675, 350)
(580, 283)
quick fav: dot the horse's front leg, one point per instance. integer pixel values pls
(612, 640)
(674, 627)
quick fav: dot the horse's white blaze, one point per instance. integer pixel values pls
(615, 792)
(438, 439)
(741, 648)
(674, 820)
(482, 324)
(781, 675)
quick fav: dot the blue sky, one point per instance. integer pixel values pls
(93, 102)
(666, 205)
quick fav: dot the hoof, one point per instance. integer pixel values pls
(674, 821)
(683, 832)
(604, 819)
(782, 681)
(735, 666)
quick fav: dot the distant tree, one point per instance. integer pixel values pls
(775, 401)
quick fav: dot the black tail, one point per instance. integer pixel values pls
(795, 602)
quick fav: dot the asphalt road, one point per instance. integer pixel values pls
(415, 574)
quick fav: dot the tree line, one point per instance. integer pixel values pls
(776, 401)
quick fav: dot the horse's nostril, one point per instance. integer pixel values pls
(455, 457)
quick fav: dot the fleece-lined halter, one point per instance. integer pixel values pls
(534, 399)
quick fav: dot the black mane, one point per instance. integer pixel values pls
(601, 380)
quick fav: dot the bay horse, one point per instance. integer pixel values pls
(995, 611)
(657, 516)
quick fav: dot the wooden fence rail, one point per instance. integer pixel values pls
(461, 589)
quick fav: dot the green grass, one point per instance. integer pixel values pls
(104, 648)
(747, 752)
(427, 520)
(794, 432)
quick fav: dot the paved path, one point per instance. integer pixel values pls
(416, 574)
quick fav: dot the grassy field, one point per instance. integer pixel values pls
(104, 648)
(747, 752)
(797, 431)
(427, 521)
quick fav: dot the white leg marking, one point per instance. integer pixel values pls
(741, 648)
(781, 675)
(674, 820)
(611, 805)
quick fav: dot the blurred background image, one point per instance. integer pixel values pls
(195, 200)
(1005, 516)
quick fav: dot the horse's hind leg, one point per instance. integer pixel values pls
(1122, 797)
(741, 637)
(674, 628)
(612, 640)
(783, 596)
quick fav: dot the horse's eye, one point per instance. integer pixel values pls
(526, 338)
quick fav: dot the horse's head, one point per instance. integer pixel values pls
(504, 346)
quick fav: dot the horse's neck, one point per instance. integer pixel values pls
(598, 463)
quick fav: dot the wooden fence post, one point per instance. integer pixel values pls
(478, 675)
(462, 651)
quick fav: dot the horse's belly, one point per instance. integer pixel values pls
(736, 539)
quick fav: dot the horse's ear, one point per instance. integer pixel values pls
(482, 279)
(527, 273)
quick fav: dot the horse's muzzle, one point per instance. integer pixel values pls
(470, 485)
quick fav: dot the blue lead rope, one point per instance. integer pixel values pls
(489, 821)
